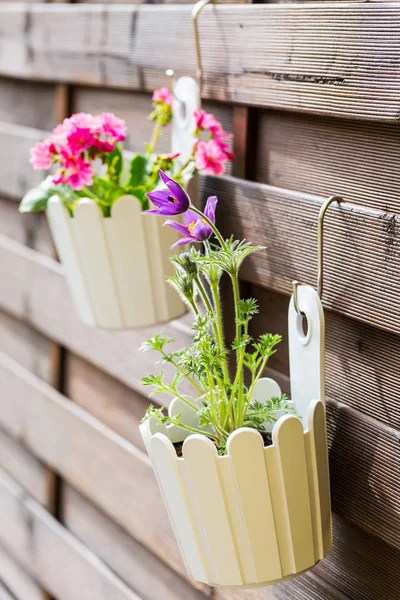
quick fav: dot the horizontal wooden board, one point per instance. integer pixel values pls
(304, 58)
(98, 462)
(361, 565)
(27, 103)
(104, 397)
(81, 449)
(318, 155)
(361, 247)
(35, 290)
(305, 587)
(25, 468)
(17, 175)
(17, 581)
(361, 360)
(29, 229)
(25, 345)
(128, 559)
(67, 569)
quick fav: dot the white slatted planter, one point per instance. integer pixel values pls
(117, 266)
(259, 515)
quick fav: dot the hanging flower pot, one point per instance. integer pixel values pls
(116, 260)
(242, 470)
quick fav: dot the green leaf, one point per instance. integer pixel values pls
(115, 163)
(35, 200)
(137, 171)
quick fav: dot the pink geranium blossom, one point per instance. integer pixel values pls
(210, 158)
(75, 171)
(41, 155)
(162, 95)
(111, 126)
(207, 122)
(80, 139)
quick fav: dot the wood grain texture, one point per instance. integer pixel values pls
(34, 284)
(17, 581)
(318, 155)
(122, 553)
(104, 397)
(17, 175)
(361, 247)
(29, 229)
(283, 56)
(82, 450)
(45, 548)
(361, 360)
(25, 468)
(27, 103)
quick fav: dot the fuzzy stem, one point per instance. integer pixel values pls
(211, 225)
(192, 429)
(154, 139)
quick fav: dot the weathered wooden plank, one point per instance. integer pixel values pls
(318, 155)
(18, 582)
(81, 449)
(305, 587)
(293, 57)
(27, 103)
(5, 594)
(361, 247)
(25, 468)
(360, 564)
(128, 559)
(17, 175)
(32, 284)
(29, 229)
(25, 345)
(361, 360)
(34, 289)
(57, 560)
(104, 397)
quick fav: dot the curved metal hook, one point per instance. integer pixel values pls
(320, 249)
(195, 14)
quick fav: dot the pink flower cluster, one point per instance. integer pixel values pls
(212, 155)
(162, 96)
(75, 143)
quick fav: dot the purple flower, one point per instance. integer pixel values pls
(195, 228)
(172, 201)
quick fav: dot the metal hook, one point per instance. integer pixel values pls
(195, 14)
(320, 249)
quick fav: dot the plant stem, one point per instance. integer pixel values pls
(218, 312)
(210, 224)
(174, 393)
(185, 165)
(192, 429)
(154, 139)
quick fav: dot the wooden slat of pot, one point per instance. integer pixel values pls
(318, 477)
(201, 458)
(130, 258)
(159, 239)
(165, 464)
(68, 251)
(95, 259)
(246, 450)
(291, 504)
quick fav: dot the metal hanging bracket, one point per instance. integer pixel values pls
(320, 250)
(199, 68)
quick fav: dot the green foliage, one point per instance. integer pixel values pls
(36, 199)
(222, 402)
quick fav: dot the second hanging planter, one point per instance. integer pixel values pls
(257, 515)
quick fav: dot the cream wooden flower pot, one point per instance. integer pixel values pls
(117, 266)
(259, 515)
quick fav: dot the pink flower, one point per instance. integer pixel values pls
(210, 158)
(225, 147)
(103, 146)
(80, 139)
(207, 122)
(162, 95)
(75, 171)
(111, 126)
(41, 155)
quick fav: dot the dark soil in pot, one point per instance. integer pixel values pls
(267, 438)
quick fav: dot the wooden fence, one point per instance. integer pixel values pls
(312, 94)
